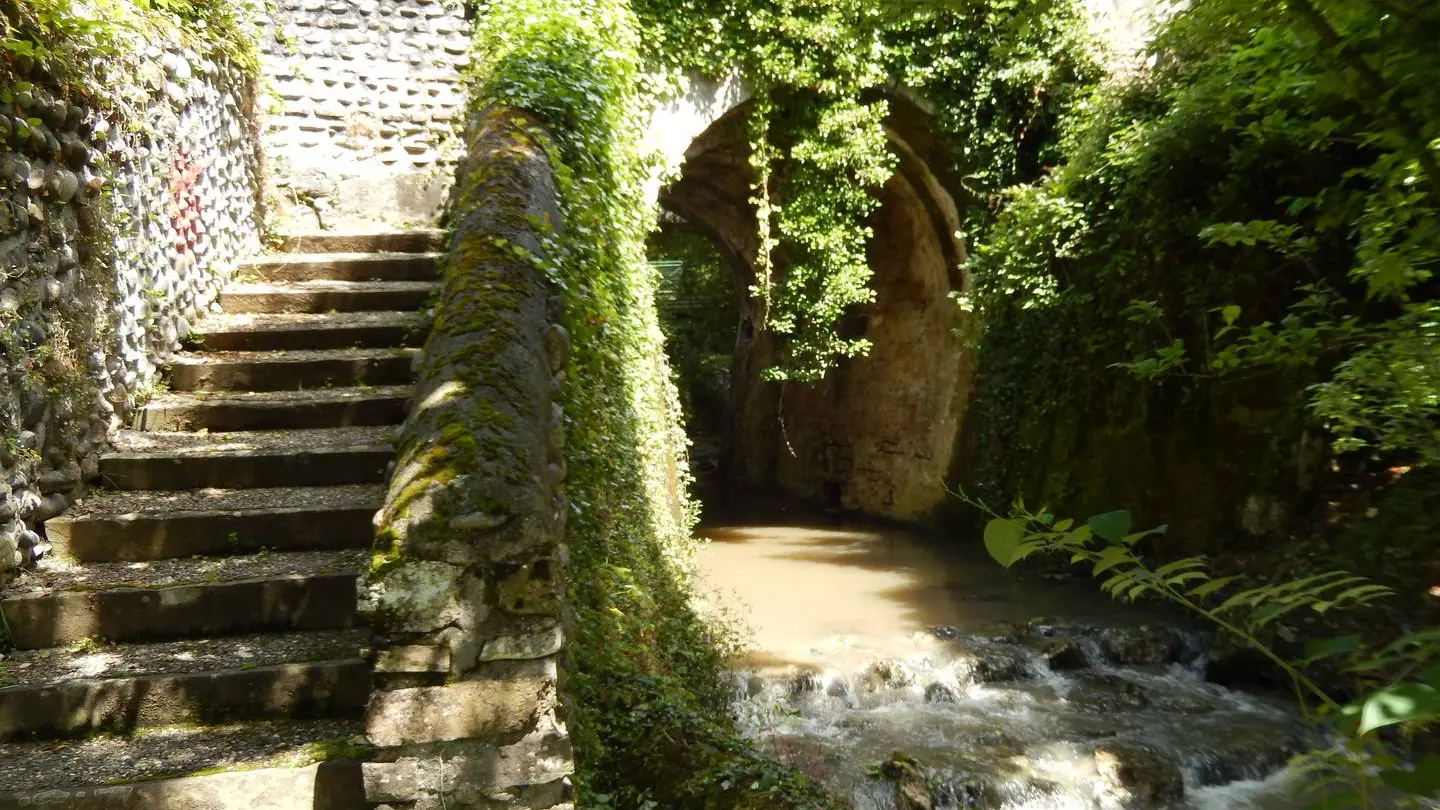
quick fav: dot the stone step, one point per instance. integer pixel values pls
(141, 526)
(265, 410)
(120, 687)
(326, 786)
(326, 296)
(341, 267)
(306, 330)
(257, 458)
(59, 604)
(290, 370)
(412, 241)
(263, 765)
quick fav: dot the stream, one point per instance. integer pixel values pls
(1003, 691)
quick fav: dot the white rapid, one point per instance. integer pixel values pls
(869, 641)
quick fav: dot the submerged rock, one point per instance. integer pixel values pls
(1146, 644)
(1062, 654)
(912, 786)
(1132, 777)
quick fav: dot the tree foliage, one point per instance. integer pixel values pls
(1397, 681)
(996, 75)
(1263, 202)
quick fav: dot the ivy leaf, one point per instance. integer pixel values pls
(1423, 780)
(1229, 314)
(1002, 539)
(1399, 703)
(1111, 526)
(1338, 801)
(1324, 648)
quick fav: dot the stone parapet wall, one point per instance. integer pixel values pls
(117, 230)
(466, 589)
(364, 127)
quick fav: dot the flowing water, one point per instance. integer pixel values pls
(1003, 692)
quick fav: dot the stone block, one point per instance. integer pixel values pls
(495, 709)
(524, 646)
(541, 758)
(406, 658)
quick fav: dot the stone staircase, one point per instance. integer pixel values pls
(192, 639)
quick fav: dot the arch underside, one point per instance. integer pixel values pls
(878, 434)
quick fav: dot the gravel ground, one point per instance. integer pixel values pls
(309, 395)
(328, 285)
(53, 576)
(227, 500)
(253, 441)
(166, 752)
(264, 321)
(39, 667)
(308, 258)
(203, 358)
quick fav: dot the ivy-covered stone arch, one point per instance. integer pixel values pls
(877, 434)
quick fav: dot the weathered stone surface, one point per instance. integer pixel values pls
(495, 709)
(413, 658)
(541, 757)
(470, 526)
(417, 596)
(326, 786)
(524, 647)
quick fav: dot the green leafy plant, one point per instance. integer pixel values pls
(822, 78)
(647, 689)
(1397, 683)
(1236, 245)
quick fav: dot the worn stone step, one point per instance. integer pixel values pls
(60, 604)
(262, 765)
(141, 526)
(121, 687)
(290, 370)
(341, 267)
(257, 458)
(264, 410)
(258, 331)
(410, 241)
(325, 786)
(326, 296)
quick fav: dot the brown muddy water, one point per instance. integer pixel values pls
(1012, 692)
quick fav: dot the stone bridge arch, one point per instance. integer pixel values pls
(879, 434)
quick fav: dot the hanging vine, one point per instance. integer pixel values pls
(996, 74)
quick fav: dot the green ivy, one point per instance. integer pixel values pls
(78, 44)
(995, 73)
(1396, 680)
(647, 689)
(1249, 227)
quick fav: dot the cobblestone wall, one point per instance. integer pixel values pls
(113, 239)
(363, 131)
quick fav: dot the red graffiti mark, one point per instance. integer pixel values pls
(183, 200)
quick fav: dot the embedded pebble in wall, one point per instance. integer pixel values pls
(381, 71)
(166, 265)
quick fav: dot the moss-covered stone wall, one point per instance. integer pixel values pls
(465, 590)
